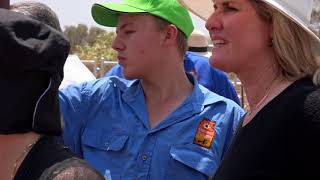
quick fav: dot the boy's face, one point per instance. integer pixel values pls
(138, 43)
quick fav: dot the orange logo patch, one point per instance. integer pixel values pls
(205, 133)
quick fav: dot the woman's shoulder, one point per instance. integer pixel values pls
(300, 92)
(303, 97)
(311, 106)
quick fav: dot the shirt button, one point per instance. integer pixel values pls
(107, 145)
(144, 157)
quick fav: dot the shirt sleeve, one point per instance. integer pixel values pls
(235, 120)
(70, 100)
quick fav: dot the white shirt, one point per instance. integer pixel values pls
(75, 72)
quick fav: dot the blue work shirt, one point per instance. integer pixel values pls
(213, 79)
(106, 123)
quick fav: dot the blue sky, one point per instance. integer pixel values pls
(73, 12)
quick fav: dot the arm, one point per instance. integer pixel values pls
(70, 100)
(76, 103)
(222, 85)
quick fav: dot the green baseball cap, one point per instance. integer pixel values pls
(106, 14)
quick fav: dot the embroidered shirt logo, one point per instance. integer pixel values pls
(205, 133)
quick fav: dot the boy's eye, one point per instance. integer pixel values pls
(129, 32)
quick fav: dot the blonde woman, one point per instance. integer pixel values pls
(268, 44)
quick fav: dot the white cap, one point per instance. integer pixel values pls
(198, 43)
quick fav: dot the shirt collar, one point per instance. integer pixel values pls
(199, 98)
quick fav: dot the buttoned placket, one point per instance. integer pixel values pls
(137, 104)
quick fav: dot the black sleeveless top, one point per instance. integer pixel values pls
(47, 159)
(282, 140)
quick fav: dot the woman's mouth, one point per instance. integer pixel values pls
(218, 43)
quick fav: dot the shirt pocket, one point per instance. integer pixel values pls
(196, 157)
(99, 139)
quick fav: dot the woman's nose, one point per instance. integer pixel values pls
(214, 22)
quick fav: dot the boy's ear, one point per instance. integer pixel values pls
(171, 34)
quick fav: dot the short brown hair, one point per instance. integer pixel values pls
(38, 11)
(182, 39)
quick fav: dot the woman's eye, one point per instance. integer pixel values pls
(215, 7)
(228, 9)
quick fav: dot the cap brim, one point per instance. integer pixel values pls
(201, 8)
(107, 14)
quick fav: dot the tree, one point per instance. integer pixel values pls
(100, 50)
(315, 17)
(94, 43)
(76, 35)
(93, 33)
(82, 31)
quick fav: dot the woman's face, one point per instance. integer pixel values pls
(239, 35)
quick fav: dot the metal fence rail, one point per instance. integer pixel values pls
(100, 69)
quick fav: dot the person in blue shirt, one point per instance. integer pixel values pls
(160, 123)
(196, 62)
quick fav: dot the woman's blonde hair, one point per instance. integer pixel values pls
(292, 45)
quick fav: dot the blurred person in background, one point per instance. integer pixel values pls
(32, 57)
(269, 45)
(75, 72)
(196, 62)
